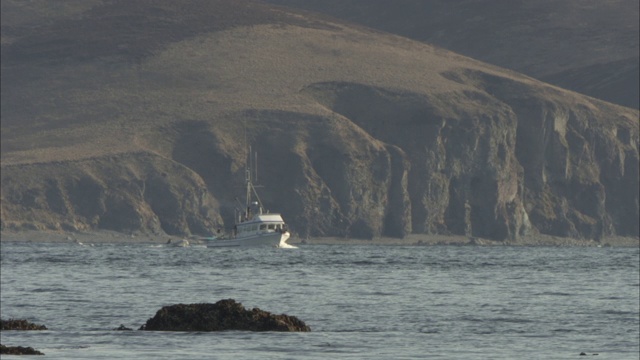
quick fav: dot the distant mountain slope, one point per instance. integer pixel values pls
(131, 116)
(589, 46)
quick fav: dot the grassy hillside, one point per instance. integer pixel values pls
(588, 46)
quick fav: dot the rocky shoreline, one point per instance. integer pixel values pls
(98, 237)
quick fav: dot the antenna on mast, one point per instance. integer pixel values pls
(255, 166)
(246, 149)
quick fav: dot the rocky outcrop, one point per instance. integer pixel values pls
(19, 350)
(223, 315)
(122, 328)
(19, 324)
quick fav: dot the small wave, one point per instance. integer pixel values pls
(326, 344)
(618, 312)
(65, 347)
(554, 293)
(362, 262)
(428, 331)
(564, 330)
(497, 320)
(55, 289)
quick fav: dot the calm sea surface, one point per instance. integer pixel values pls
(362, 302)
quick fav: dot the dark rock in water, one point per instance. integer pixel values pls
(18, 350)
(18, 324)
(122, 327)
(223, 315)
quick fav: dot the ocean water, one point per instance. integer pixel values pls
(362, 302)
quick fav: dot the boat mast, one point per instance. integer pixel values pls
(250, 171)
(255, 193)
(247, 175)
(250, 167)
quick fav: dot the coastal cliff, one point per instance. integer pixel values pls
(359, 133)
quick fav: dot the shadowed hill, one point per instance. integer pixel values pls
(131, 116)
(587, 46)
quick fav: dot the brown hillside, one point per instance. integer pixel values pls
(589, 46)
(131, 116)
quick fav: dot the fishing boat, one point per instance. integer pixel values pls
(254, 226)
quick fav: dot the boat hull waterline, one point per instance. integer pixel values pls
(271, 239)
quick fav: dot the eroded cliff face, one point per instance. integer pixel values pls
(129, 193)
(325, 175)
(464, 177)
(580, 159)
(507, 159)
(499, 162)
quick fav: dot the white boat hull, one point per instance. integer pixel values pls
(271, 239)
(179, 243)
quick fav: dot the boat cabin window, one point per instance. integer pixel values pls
(247, 228)
(272, 226)
(263, 227)
(278, 226)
